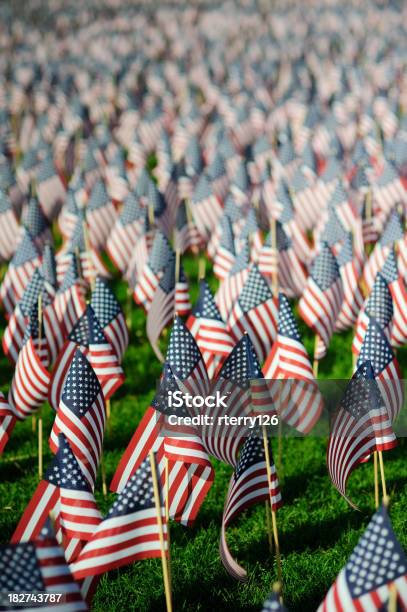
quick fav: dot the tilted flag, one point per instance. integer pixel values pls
(129, 532)
(388, 190)
(50, 188)
(61, 315)
(39, 567)
(286, 215)
(291, 379)
(398, 291)
(81, 416)
(30, 385)
(350, 269)
(376, 564)
(125, 233)
(210, 331)
(162, 307)
(7, 422)
(205, 207)
(36, 223)
(322, 298)
(160, 255)
(248, 485)
(186, 234)
(225, 254)
(101, 216)
(360, 426)
(10, 228)
(377, 349)
(233, 283)
(379, 305)
(26, 258)
(255, 312)
(110, 316)
(392, 235)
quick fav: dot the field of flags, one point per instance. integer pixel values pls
(203, 200)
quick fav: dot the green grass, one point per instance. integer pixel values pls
(317, 529)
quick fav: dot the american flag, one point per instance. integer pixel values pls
(378, 305)
(31, 380)
(322, 298)
(68, 216)
(14, 333)
(398, 291)
(26, 258)
(233, 284)
(188, 482)
(125, 233)
(284, 262)
(240, 186)
(130, 531)
(162, 307)
(102, 357)
(10, 228)
(50, 188)
(306, 204)
(39, 566)
(255, 313)
(358, 589)
(110, 316)
(391, 236)
(101, 216)
(388, 189)
(377, 349)
(218, 176)
(285, 214)
(248, 485)
(78, 513)
(360, 426)
(164, 212)
(186, 234)
(182, 300)
(48, 268)
(36, 223)
(350, 270)
(160, 255)
(64, 311)
(340, 202)
(225, 254)
(81, 416)
(210, 331)
(292, 380)
(7, 422)
(205, 207)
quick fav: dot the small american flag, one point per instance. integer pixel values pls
(9, 228)
(360, 426)
(322, 298)
(31, 380)
(377, 349)
(298, 398)
(40, 567)
(130, 531)
(77, 510)
(248, 485)
(50, 188)
(7, 422)
(205, 207)
(162, 307)
(21, 268)
(125, 233)
(234, 282)
(398, 291)
(378, 305)
(81, 416)
(36, 223)
(388, 189)
(101, 216)
(392, 235)
(350, 270)
(363, 584)
(110, 316)
(255, 313)
(186, 234)
(160, 254)
(225, 254)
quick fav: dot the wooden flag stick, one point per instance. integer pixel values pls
(177, 265)
(381, 464)
(268, 523)
(201, 268)
(40, 457)
(88, 251)
(103, 473)
(151, 219)
(108, 409)
(274, 275)
(33, 423)
(167, 587)
(273, 512)
(167, 513)
(392, 607)
(315, 364)
(376, 480)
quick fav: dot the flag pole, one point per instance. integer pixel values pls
(167, 513)
(167, 586)
(382, 476)
(129, 301)
(376, 480)
(315, 363)
(392, 607)
(88, 251)
(40, 458)
(274, 274)
(268, 523)
(273, 512)
(201, 268)
(103, 473)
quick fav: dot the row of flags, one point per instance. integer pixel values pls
(145, 134)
